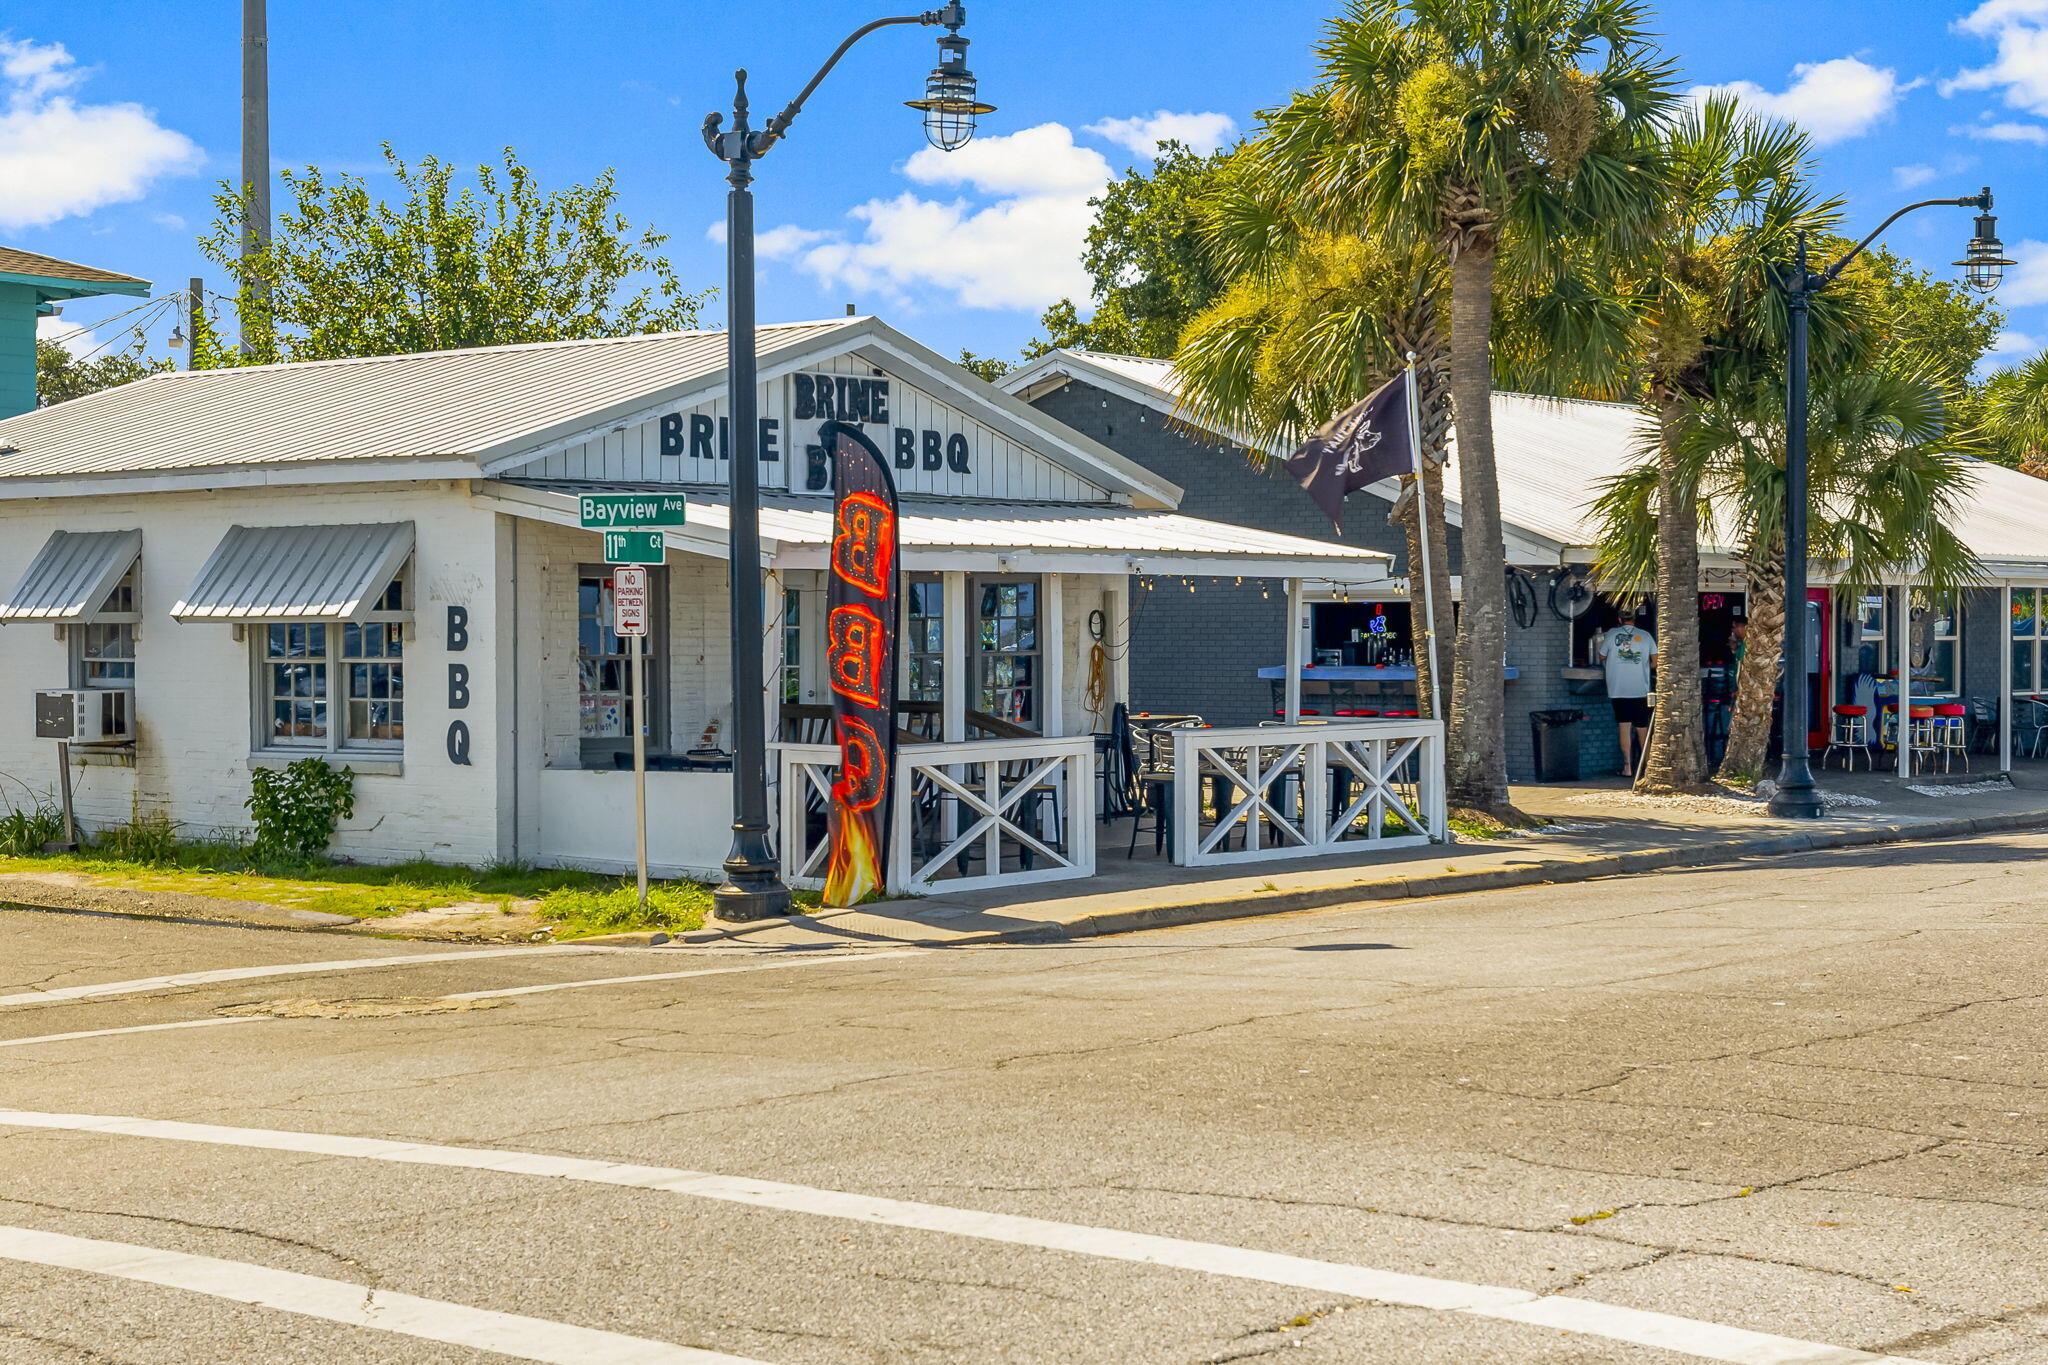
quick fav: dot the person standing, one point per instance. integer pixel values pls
(1624, 652)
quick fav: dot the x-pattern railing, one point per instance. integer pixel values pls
(1300, 790)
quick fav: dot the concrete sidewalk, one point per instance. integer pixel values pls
(1599, 830)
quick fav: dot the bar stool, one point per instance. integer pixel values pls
(1951, 734)
(1849, 732)
(1920, 738)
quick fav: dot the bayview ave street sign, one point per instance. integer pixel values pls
(612, 511)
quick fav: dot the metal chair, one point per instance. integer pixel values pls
(1951, 734)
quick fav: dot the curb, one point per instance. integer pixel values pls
(1550, 872)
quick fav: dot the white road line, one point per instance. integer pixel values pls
(135, 1028)
(58, 994)
(775, 965)
(1710, 1341)
(678, 976)
(355, 1305)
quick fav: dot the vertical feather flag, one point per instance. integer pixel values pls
(861, 597)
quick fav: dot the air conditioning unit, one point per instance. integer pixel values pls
(87, 716)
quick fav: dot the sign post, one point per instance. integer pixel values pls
(629, 621)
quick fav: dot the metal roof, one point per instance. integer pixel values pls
(439, 403)
(1555, 453)
(71, 575)
(297, 573)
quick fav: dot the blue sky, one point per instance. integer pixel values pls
(120, 116)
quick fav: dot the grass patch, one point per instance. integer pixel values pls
(673, 906)
(229, 871)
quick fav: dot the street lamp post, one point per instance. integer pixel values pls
(753, 886)
(1983, 267)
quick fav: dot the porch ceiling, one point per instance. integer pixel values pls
(1033, 537)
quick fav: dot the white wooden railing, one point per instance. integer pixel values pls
(999, 812)
(1296, 791)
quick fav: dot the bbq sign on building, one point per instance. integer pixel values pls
(861, 597)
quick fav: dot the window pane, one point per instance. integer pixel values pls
(2023, 666)
(2024, 613)
(1941, 669)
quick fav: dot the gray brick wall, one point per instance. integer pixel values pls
(1200, 651)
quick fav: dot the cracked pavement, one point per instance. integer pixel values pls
(1799, 1095)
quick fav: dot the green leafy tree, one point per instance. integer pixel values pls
(1490, 129)
(2011, 408)
(1146, 254)
(440, 266)
(61, 376)
(984, 366)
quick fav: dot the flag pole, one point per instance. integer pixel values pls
(1436, 708)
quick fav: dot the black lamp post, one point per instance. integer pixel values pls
(1983, 267)
(753, 886)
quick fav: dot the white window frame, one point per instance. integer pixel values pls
(913, 653)
(114, 611)
(2031, 643)
(394, 610)
(984, 658)
(595, 753)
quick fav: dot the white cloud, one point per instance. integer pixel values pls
(1910, 177)
(2027, 281)
(1012, 239)
(2018, 30)
(69, 335)
(168, 220)
(781, 243)
(1203, 133)
(1833, 101)
(716, 232)
(2010, 343)
(2002, 132)
(60, 158)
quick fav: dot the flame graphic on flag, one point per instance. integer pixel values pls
(855, 868)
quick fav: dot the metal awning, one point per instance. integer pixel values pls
(71, 575)
(297, 573)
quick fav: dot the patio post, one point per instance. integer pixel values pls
(2005, 678)
(1905, 633)
(1119, 608)
(953, 663)
(1052, 650)
(1296, 629)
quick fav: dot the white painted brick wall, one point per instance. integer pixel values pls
(193, 682)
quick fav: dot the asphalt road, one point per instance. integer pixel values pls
(1799, 1098)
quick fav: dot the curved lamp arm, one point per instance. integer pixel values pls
(745, 144)
(1980, 202)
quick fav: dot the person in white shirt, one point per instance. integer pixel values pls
(1624, 652)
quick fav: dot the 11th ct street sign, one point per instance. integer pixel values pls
(619, 511)
(633, 547)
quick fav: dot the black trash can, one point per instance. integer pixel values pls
(1556, 734)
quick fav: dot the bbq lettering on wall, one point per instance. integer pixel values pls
(857, 400)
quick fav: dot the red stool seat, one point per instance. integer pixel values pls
(1951, 709)
(1411, 715)
(1920, 712)
(1852, 710)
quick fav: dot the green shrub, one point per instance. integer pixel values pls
(25, 829)
(296, 809)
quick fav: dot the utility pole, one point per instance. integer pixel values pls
(255, 145)
(195, 311)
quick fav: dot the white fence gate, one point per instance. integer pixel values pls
(1000, 812)
(1295, 791)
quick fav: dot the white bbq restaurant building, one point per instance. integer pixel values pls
(380, 562)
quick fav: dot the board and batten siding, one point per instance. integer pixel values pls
(998, 468)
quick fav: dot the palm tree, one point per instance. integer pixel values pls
(1703, 314)
(1483, 128)
(1886, 477)
(1313, 323)
(2014, 407)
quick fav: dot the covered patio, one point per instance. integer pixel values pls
(1022, 755)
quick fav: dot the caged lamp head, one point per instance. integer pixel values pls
(1984, 262)
(950, 105)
